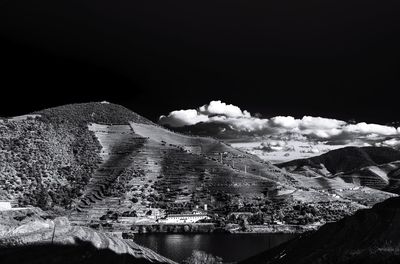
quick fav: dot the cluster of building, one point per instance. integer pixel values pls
(186, 218)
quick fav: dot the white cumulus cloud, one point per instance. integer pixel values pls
(220, 108)
(183, 118)
(318, 128)
(288, 122)
(372, 129)
(310, 122)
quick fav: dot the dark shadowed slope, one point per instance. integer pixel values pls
(36, 240)
(82, 253)
(369, 236)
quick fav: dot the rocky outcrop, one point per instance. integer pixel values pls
(59, 232)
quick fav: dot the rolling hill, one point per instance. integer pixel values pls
(375, 167)
(105, 166)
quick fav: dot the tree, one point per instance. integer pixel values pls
(42, 198)
(201, 257)
(257, 219)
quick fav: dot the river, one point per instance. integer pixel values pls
(230, 247)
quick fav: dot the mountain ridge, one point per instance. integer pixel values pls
(349, 158)
(376, 167)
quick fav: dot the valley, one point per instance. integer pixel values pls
(108, 170)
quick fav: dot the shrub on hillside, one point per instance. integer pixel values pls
(201, 257)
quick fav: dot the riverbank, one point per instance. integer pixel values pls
(176, 228)
(230, 228)
(271, 229)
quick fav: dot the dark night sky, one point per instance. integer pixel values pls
(331, 58)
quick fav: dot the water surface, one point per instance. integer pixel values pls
(231, 247)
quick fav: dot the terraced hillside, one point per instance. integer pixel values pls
(368, 237)
(107, 167)
(120, 145)
(172, 173)
(375, 167)
(152, 176)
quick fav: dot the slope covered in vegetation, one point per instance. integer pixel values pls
(47, 160)
(368, 237)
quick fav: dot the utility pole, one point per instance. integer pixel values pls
(54, 232)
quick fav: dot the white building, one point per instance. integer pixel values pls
(5, 205)
(183, 218)
(187, 218)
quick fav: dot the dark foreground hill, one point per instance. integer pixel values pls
(376, 167)
(370, 236)
(81, 253)
(36, 240)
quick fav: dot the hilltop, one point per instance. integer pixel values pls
(85, 113)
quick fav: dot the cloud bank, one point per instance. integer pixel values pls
(319, 128)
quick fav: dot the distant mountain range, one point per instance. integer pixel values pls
(216, 130)
(280, 138)
(375, 167)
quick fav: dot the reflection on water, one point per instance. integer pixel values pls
(231, 247)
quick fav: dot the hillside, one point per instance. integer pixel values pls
(370, 236)
(375, 167)
(46, 159)
(106, 167)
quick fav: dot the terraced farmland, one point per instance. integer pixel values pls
(140, 174)
(148, 171)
